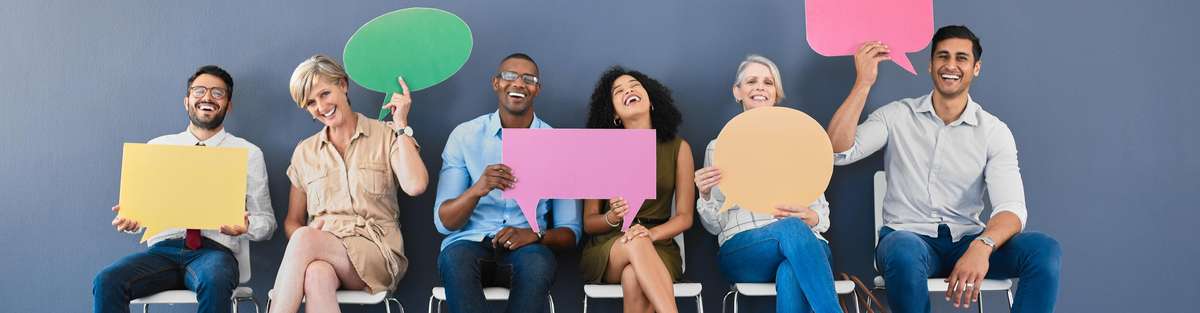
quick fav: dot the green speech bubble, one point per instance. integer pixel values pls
(424, 45)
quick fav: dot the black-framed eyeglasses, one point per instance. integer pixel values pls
(199, 91)
(511, 76)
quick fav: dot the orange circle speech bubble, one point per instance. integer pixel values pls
(773, 156)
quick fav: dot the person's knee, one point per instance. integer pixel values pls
(107, 280)
(901, 251)
(320, 277)
(302, 243)
(456, 261)
(534, 263)
(1045, 252)
(637, 247)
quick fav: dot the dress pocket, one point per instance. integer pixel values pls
(374, 178)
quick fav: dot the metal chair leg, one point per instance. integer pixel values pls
(980, 304)
(398, 304)
(585, 298)
(146, 308)
(430, 310)
(551, 298)
(725, 299)
(699, 304)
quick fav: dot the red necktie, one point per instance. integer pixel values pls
(192, 239)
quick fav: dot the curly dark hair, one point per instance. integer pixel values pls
(664, 116)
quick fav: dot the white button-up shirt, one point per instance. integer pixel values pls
(938, 173)
(258, 198)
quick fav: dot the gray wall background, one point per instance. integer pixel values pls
(1100, 96)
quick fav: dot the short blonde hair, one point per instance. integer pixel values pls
(306, 75)
(754, 58)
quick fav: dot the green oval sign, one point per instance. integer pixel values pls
(424, 45)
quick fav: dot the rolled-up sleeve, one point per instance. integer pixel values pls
(453, 179)
(869, 137)
(821, 206)
(709, 209)
(566, 214)
(1002, 175)
(258, 198)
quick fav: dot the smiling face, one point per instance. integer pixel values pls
(756, 87)
(953, 67)
(629, 99)
(327, 102)
(516, 96)
(207, 111)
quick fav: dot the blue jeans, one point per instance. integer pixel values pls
(908, 260)
(211, 271)
(787, 253)
(468, 266)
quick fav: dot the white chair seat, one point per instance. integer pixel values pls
(841, 287)
(185, 296)
(614, 291)
(940, 285)
(489, 293)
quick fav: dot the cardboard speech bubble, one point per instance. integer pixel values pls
(424, 45)
(580, 164)
(839, 27)
(169, 186)
(773, 156)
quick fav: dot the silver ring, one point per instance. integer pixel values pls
(969, 285)
(509, 243)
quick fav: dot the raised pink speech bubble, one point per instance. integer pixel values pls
(580, 164)
(839, 27)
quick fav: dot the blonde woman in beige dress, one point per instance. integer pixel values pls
(342, 210)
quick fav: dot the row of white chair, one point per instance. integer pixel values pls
(591, 291)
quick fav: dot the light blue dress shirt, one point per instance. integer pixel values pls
(471, 147)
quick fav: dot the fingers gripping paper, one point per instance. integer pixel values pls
(839, 27)
(773, 156)
(580, 164)
(167, 186)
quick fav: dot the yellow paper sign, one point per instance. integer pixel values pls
(169, 186)
(773, 156)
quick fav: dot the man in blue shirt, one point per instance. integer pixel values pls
(488, 240)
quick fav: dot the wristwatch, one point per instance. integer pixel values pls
(406, 131)
(987, 241)
(541, 233)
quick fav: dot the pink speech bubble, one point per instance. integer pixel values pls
(580, 164)
(839, 27)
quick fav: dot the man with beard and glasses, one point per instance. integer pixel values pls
(944, 153)
(198, 260)
(488, 241)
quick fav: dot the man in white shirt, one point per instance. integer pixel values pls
(944, 153)
(199, 260)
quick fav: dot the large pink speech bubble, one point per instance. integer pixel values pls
(580, 164)
(839, 27)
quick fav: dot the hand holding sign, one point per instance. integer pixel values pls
(424, 45)
(840, 27)
(773, 156)
(165, 186)
(580, 164)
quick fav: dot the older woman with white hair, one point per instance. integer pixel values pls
(785, 247)
(342, 210)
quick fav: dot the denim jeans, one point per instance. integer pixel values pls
(211, 271)
(787, 253)
(468, 266)
(908, 260)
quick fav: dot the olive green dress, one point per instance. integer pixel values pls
(596, 249)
